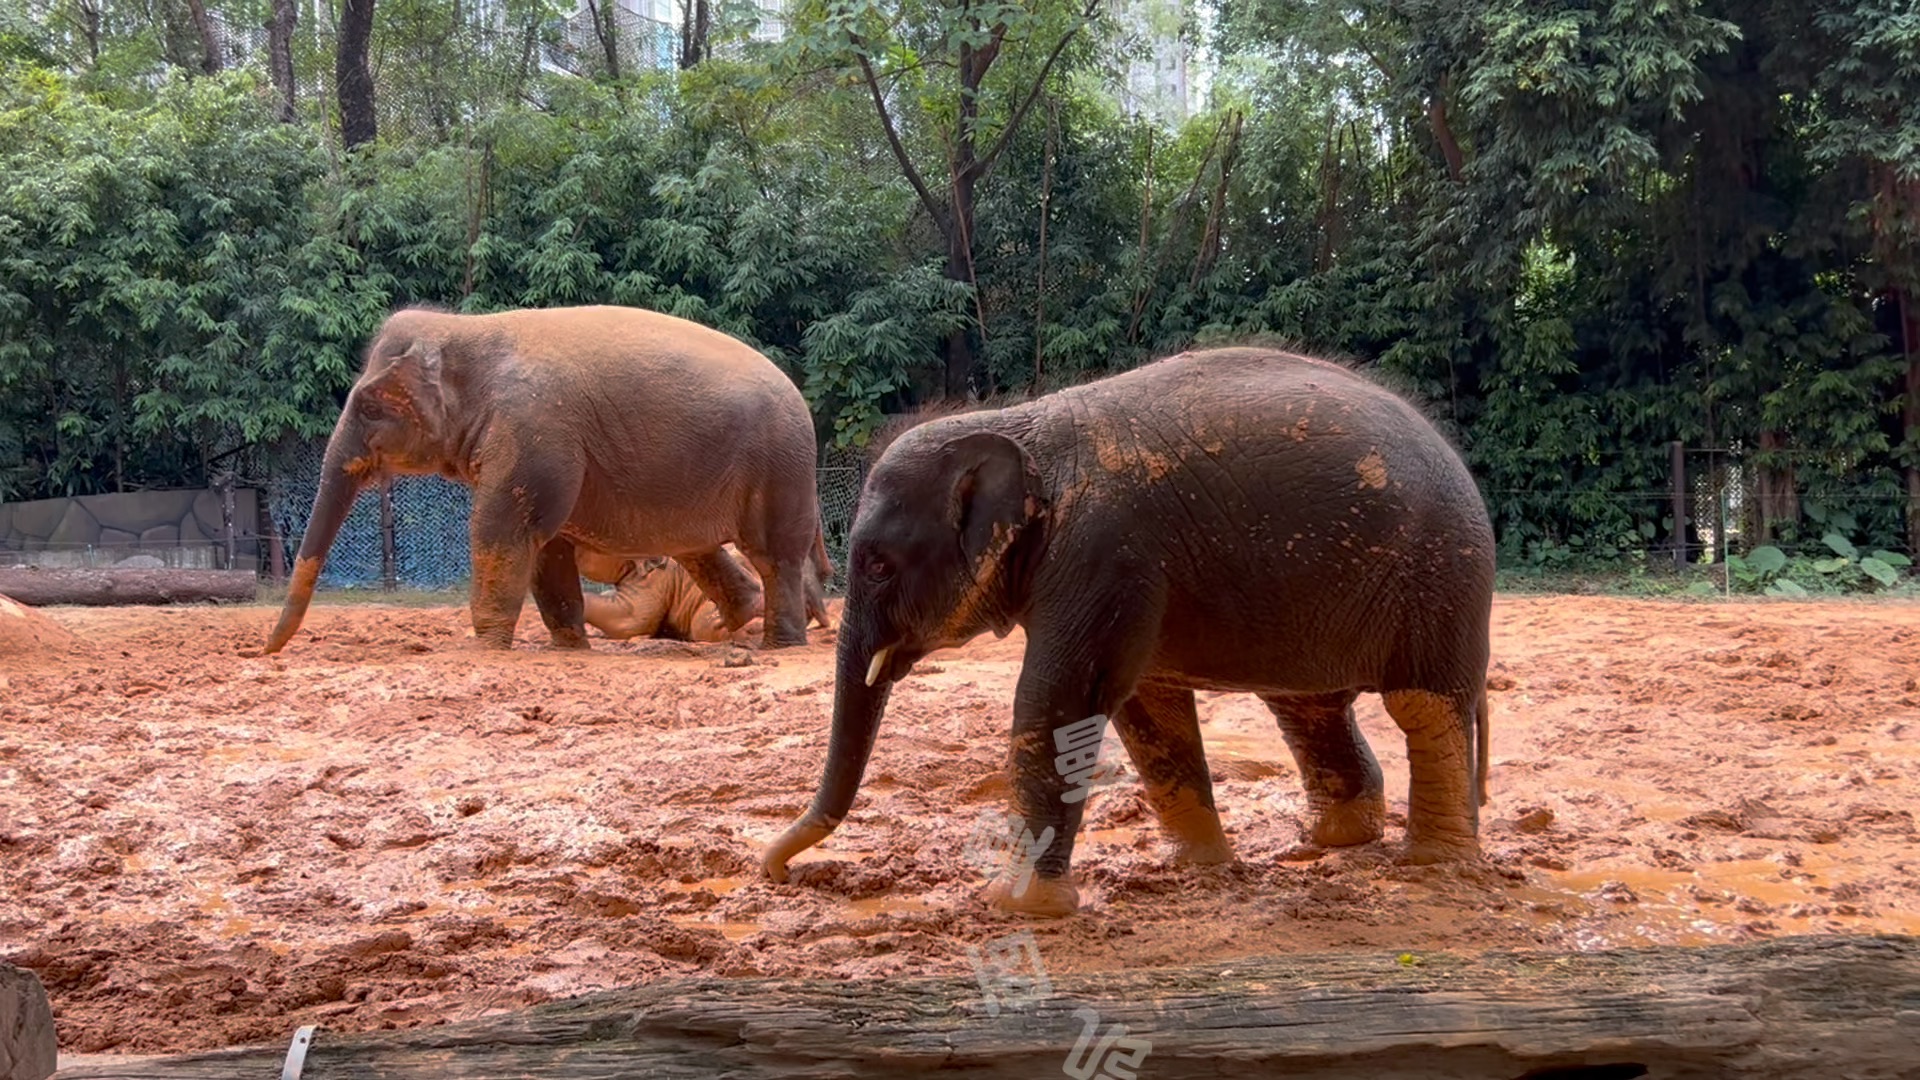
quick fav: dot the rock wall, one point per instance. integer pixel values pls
(176, 528)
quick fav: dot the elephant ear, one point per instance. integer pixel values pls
(407, 389)
(994, 492)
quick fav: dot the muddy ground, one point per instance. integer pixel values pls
(382, 827)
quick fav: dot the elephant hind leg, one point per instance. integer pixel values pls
(787, 605)
(556, 592)
(1346, 797)
(1442, 800)
(1161, 730)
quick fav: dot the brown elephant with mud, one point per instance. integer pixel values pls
(1238, 519)
(657, 598)
(609, 431)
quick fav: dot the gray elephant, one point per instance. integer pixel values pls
(1233, 519)
(609, 430)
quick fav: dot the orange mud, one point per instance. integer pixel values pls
(385, 827)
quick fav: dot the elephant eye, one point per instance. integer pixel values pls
(879, 569)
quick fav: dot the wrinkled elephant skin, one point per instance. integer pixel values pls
(1237, 519)
(605, 430)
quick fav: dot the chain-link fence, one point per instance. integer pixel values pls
(1733, 501)
(430, 517)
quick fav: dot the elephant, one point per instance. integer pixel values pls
(657, 598)
(1237, 519)
(608, 430)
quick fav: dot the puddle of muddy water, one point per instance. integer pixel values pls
(1659, 907)
(860, 910)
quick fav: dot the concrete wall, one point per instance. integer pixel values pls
(178, 528)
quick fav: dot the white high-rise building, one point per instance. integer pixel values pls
(1155, 84)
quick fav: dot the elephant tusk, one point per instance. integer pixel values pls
(879, 666)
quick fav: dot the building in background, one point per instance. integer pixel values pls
(1160, 82)
(1157, 83)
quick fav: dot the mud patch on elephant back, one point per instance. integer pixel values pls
(1372, 470)
(1125, 451)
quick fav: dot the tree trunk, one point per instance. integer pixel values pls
(959, 345)
(1910, 343)
(1210, 234)
(209, 41)
(90, 17)
(39, 586)
(1040, 284)
(280, 31)
(694, 30)
(1801, 1008)
(605, 31)
(1776, 491)
(1443, 132)
(353, 75)
(972, 71)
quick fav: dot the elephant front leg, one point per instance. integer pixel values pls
(515, 515)
(1443, 815)
(1346, 797)
(556, 592)
(1161, 729)
(1062, 684)
(502, 573)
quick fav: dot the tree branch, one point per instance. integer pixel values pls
(900, 151)
(985, 163)
(1443, 132)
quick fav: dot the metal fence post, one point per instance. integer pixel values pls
(1677, 456)
(389, 560)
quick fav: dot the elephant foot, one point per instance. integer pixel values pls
(1211, 853)
(1431, 851)
(569, 639)
(1045, 898)
(1349, 822)
(1197, 838)
(491, 633)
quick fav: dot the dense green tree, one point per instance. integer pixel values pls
(1578, 232)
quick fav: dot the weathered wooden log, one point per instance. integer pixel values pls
(1826, 1007)
(27, 1048)
(41, 586)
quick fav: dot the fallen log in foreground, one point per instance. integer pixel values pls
(26, 1026)
(1826, 1007)
(41, 586)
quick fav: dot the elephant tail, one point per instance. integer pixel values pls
(821, 564)
(817, 586)
(1483, 750)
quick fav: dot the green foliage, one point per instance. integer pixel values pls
(1575, 233)
(1768, 569)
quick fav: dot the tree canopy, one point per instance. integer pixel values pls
(1579, 232)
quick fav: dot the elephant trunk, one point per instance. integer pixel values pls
(857, 709)
(339, 486)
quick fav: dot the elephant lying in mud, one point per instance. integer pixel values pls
(1236, 519)
(605, 430)
(657, 598)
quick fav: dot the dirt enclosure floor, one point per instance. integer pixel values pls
(382, 827)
